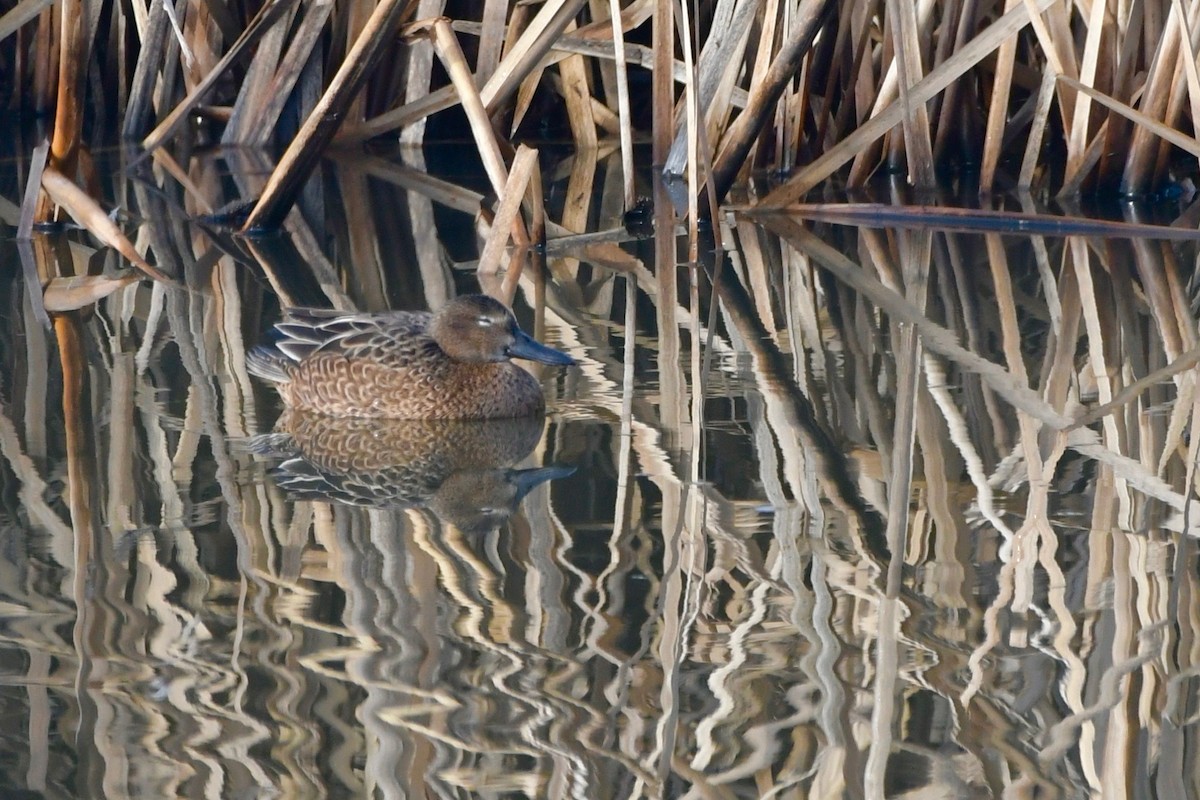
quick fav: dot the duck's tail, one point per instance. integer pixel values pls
(268, 363)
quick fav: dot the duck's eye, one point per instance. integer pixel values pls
(485, 322)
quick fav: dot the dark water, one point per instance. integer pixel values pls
(834, 534)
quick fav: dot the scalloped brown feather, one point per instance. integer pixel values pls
(386, 365)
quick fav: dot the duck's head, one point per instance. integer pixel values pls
(478, 328)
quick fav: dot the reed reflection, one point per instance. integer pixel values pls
(459, 634)
(884, 513)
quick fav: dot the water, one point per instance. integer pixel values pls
(847, 561)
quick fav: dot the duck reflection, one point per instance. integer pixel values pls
(464, 471)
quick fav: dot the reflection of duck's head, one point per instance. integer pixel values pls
(407, 364)
(479, 501)
(462, 470)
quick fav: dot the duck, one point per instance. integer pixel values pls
(451, 364)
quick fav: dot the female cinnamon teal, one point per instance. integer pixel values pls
(453, 364)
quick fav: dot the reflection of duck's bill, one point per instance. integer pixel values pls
(527, 479)
(525, 346)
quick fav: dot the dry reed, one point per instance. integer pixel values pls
(736, 637)
(884, 85)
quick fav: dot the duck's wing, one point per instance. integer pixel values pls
(268, 363)
(306, 331)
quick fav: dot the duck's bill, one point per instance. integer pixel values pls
(525, 346)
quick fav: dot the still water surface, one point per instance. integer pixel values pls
(887, 519)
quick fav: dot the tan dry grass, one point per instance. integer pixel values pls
(807, 86)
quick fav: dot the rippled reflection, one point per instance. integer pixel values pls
(464, 471)
(918, 530)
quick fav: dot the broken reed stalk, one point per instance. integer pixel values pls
(32, 276)
(266, 17)
(19, 15)
(506, 213)
(1162, 101)
(523, 57)
(662, 99)
(33, 191)
(72, 73)
(577, 95)
(305, 150)
(998, 109)
(445, 44)
(535, 206)
(623, 114)
(1037, 130)
(761, 107)
(936, 81)
(145, 74)
(252, 95)
(583, 41)
(918, 144)
(88, 213)
(261, 110)
(714, 58)
(692, 114)
(1182, 141)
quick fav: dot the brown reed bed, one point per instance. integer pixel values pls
(883, 340)
(1057, 103)
(1040, 94)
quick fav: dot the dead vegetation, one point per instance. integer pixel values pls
(1049, 95)
(1074, 99)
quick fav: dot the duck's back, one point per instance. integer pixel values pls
(386, 365)
(307, 332)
